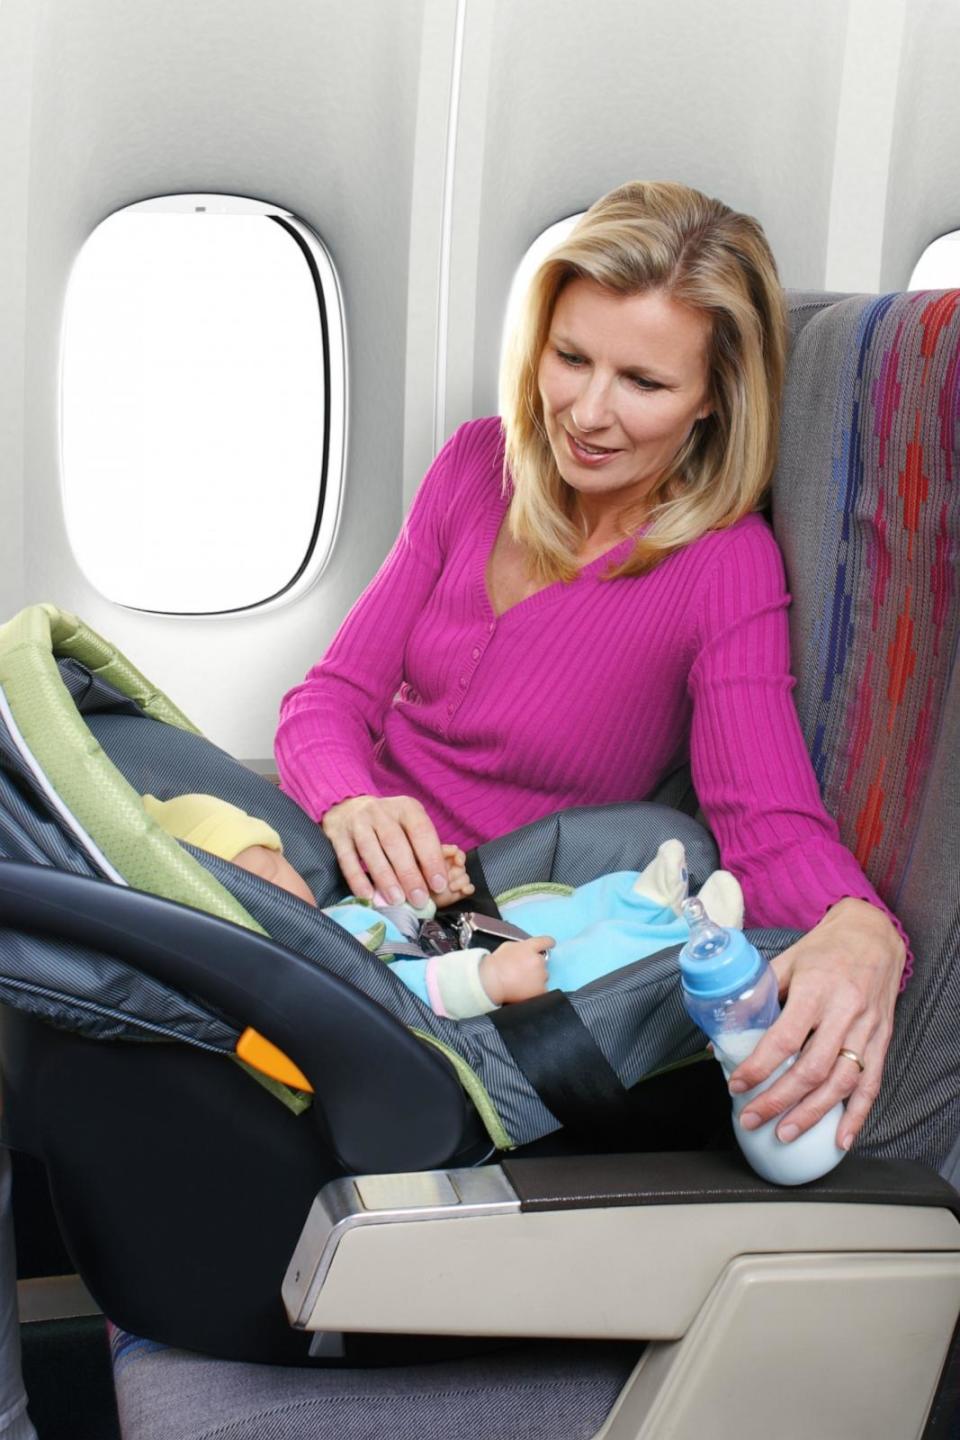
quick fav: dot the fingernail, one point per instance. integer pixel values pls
(396, 895)
(419, 898)
(376, 898)
(438, 883)
(737, 1087)
(750, 1120)
(846, 1142)
(786, 1133)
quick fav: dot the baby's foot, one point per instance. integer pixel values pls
(722, 899)
(664, 881)
(459, 885)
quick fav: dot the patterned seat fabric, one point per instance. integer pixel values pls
(867, 511)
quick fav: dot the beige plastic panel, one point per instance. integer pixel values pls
(806, 1347)
(615, 1273)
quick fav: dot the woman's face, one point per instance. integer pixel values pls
(623, 378)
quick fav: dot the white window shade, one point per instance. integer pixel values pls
(525, 271)
(202, 406)
(939, 266)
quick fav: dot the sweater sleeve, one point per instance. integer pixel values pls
(750, 765)
(330, 724)
(450, 984)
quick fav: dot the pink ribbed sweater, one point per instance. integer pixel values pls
(582, 694)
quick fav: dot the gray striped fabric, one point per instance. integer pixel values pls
(70, 985)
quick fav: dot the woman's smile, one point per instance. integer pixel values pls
(584, 454)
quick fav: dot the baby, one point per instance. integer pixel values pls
(576, 935)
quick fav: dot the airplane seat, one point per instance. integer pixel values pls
(830, 1310)
(865, 509)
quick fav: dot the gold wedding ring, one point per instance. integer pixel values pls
(852, 1055)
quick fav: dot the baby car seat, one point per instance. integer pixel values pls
(132, 1006)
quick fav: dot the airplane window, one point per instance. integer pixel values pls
(202, 405)
(939, 266)
(526, 270)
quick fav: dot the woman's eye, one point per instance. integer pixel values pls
(569, 357)
(642, 383)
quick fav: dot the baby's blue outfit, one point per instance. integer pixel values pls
(599, 927)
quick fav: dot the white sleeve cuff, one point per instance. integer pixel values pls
(456, 976)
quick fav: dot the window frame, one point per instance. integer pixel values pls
(319, 545)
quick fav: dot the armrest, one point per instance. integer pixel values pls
(381, 1097)
(717, 1177)
(619, 1247)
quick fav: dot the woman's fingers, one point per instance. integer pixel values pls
(388, 845)
(867, 1084)
(846, 1082)
(425, 844)
(802, 1103)
(819, 1000)
(348, 859)
(816, 1059)
(402, 865)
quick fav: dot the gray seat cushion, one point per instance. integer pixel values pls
(549, 1391)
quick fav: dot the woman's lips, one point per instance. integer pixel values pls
(592, 455)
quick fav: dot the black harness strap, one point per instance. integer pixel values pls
(566, 1067)
(481, 899)
(556, 1052)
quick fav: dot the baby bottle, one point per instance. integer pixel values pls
(731, 993)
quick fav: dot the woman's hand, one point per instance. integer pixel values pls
(388, 844)
(841, 982)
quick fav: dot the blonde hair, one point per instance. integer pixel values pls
(658, 236)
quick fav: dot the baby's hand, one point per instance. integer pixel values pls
(458, 884)
(270, 865)
(517, 970)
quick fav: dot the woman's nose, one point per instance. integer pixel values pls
(591, 409)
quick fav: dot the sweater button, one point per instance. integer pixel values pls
(450, 709)
(476, 652)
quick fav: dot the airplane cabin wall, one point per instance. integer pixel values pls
(923, 191)
(427, 142)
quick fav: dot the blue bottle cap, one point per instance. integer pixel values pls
(715, 961)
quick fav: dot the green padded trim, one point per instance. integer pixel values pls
(537, 887)
(295, 1100)
(87, 782)
(678, 1065)
(69, 637)
(373, 938)
(475, 1089)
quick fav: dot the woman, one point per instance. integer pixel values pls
(582, 597)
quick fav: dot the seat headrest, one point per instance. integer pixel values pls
(867, 511)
